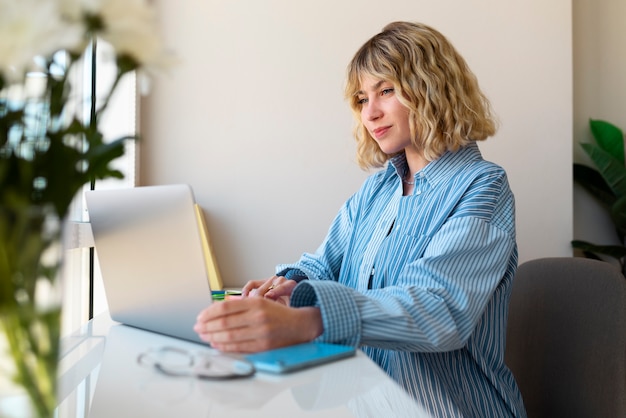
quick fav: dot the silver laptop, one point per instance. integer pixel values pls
(149, 248)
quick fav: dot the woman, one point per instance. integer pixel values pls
(417, 267)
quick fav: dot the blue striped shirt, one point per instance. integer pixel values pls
(421, 283)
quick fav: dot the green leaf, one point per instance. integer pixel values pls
(618, 215)
(58, 91)
(101, 155)
(594, 183)
(609, 137)
(126, 63)
(589, 254)
(58, 165)
(615, 251)
(612, 170)
(8, 120)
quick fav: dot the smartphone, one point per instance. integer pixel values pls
(300, 356)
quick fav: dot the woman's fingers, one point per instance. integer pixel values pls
(251, 287)
(266, 286)
(282, 289)
(256, 324)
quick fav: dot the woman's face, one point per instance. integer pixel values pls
(382, 114)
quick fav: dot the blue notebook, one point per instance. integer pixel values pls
(300, 356)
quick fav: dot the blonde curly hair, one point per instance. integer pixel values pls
(447, 109)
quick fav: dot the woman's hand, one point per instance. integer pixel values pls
(276, 288)
(256, 324)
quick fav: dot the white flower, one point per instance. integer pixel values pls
(31, 28)
(130, 26)
(72, 10)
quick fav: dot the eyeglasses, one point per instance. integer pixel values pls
(213, 365)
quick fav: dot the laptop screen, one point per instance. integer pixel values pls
(149, 248)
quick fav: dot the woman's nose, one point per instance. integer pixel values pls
(372, 111)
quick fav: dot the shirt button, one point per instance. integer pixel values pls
(418, 192)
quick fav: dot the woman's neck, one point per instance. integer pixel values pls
(415, 161)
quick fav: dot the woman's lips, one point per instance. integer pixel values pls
(379, 132)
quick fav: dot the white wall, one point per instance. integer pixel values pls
(254, 117)
(599, 93)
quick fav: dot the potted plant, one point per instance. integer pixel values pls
(607, 183)
(48, 151)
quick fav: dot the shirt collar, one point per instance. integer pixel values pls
(443, 167)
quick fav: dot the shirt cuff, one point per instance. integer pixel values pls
(340, 316)
(293, 274)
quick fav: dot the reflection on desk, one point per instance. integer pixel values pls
(100, 378)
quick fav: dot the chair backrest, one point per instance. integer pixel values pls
(566, 338)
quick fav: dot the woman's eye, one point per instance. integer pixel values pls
(387, 91)
(361, 100)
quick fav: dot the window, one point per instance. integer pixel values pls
(80, 262)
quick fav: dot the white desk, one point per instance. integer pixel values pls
(99, 377)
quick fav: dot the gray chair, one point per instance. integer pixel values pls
(566, 338)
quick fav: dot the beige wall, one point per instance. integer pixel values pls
(254, 119)
(599, 93)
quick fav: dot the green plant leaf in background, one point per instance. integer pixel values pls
(594, 183)
(615, 251)
(612, 170)
(591, 250)
(618, 215)
(609, 137)
(607, 183)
